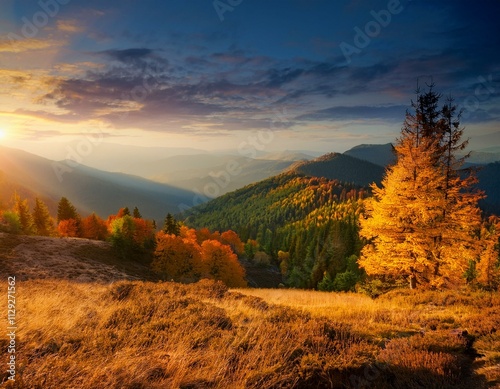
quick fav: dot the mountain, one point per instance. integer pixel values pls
(381, 155)
(87, 188)
(200, 171)
(301, 219)
(489, 181)
(110, 157)
(482, 157)
(342, 167)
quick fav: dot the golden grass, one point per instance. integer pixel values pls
(165, 335)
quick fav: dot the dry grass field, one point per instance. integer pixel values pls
(133, 334)
(78, 329)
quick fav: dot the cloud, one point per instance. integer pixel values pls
(128, 55)
(22, 45)
(69, 25)
(390, 113)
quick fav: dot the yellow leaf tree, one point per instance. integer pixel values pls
(422, 223)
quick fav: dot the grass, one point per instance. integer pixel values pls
(134, 334)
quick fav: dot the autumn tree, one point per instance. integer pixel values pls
(232, 239)
(422, 222)
(68, 228)
(177, 258)
(133, 237)
(93, 227)
(42, 221)
(488, 265)
(220, 263)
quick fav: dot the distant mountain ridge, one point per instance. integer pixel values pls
(342, 167)
(87, 188)
(381, 155)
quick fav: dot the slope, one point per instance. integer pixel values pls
(343, 168)
(305, 222)
(89, 189)
(195, 172)
(381, 155)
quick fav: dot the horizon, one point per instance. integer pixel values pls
(212, 76)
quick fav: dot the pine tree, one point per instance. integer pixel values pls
(22, 210)
(66, 210)
(423, 222)
(171, 226)
(43, 222)
(136, 213)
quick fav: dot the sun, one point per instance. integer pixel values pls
(2, 133)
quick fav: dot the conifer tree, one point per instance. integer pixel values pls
(42, 221)
(136, 214)
(22, 210)
(422, 223)
(66, 210)
(171, 226)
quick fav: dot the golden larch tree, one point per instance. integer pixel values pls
(423, 222)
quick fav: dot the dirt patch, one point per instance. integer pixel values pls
(35, 257)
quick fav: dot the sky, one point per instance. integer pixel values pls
(215, 75)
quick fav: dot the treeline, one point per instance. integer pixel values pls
(175, 252)
(308, 226)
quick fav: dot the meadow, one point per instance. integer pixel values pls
(135, 334)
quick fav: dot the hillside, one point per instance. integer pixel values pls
(193, 172)
(307, 225)
(168, 335)
(381, 155)
(74, 259)
(342, 167)
(489, 181)
(88, 189)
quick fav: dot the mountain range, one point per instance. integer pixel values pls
(89, 189)
(164, 181)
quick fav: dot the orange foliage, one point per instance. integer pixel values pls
(177, 258)
(220, 263)
(93, 227)
(232, 239)
(143, 231)
(68, 228)
(205, 234)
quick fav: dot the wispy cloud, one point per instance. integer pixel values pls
(24, 45)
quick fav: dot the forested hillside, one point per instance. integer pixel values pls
(308, 225)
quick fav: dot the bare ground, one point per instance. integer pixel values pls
(76, 259)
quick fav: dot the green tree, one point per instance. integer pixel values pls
(22, 209)
(66, 210)
(136, 214)
(171, 226)
(43, 222)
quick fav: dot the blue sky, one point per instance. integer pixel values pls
(208, 74)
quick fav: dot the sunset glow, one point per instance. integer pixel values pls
(148, 73)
